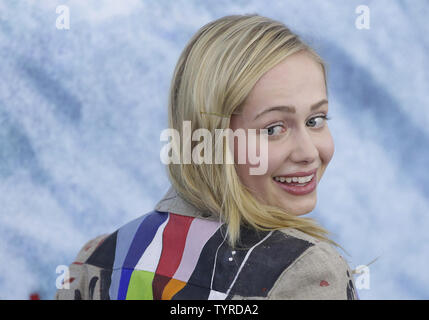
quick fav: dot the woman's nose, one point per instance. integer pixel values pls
(304, 148)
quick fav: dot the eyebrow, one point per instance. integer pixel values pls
(291, 109)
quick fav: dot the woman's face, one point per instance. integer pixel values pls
(299, 140)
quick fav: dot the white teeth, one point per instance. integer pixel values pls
(294, 179)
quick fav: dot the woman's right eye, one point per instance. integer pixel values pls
(275, 129)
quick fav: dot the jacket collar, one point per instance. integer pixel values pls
(174, 203)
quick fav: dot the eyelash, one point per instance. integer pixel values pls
(325, 117)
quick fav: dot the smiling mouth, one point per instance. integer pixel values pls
(298, 181)
(295, 186)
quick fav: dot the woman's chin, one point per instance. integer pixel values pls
(300, 206)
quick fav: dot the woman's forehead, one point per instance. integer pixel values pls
(299, 80)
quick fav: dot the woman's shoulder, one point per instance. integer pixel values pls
(295, 233)
(80, 279)
(90, 274)
(320, 250)
(319, 272)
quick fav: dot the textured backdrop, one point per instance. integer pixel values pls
(81, 112)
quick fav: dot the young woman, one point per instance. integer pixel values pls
(223, 231)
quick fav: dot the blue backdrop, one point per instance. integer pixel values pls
(81, 112)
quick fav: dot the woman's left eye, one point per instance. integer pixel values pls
(318, 124)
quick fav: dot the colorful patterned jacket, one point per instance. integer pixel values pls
(178, 252)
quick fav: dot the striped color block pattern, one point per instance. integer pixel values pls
(163, 255)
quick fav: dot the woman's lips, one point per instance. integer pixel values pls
(298, 190)
(300, 174)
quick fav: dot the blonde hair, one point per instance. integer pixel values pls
(214, 74)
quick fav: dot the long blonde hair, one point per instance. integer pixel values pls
(214, 74)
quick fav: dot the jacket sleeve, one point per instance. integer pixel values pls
(320, 273)
(75, 285)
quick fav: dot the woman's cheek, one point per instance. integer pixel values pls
(275, 160)
(328, 149)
